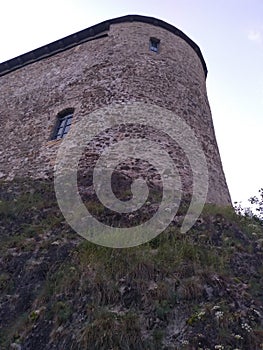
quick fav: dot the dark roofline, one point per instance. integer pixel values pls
(91, 33)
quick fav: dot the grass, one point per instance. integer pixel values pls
(131, 298)
(112, 331)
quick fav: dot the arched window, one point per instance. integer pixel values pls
(64, 120)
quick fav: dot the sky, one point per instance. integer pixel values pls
(229, 34)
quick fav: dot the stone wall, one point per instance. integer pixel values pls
(113, 69)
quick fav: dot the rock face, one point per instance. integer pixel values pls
(106, 64)
(58, 291)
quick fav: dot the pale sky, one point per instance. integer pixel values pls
(230, 35)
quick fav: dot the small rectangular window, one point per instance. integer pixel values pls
(154, 44)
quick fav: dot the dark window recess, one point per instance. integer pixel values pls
(154, 44)
(64, 121)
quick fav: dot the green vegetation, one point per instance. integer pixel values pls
(200, 290)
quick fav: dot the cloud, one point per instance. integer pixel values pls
(255, 35)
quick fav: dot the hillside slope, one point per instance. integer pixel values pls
(201, 290)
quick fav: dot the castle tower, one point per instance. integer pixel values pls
(123, 60)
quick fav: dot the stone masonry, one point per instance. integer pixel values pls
(114, 66)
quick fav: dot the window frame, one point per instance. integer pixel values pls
(154, 44)
(63, 124)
